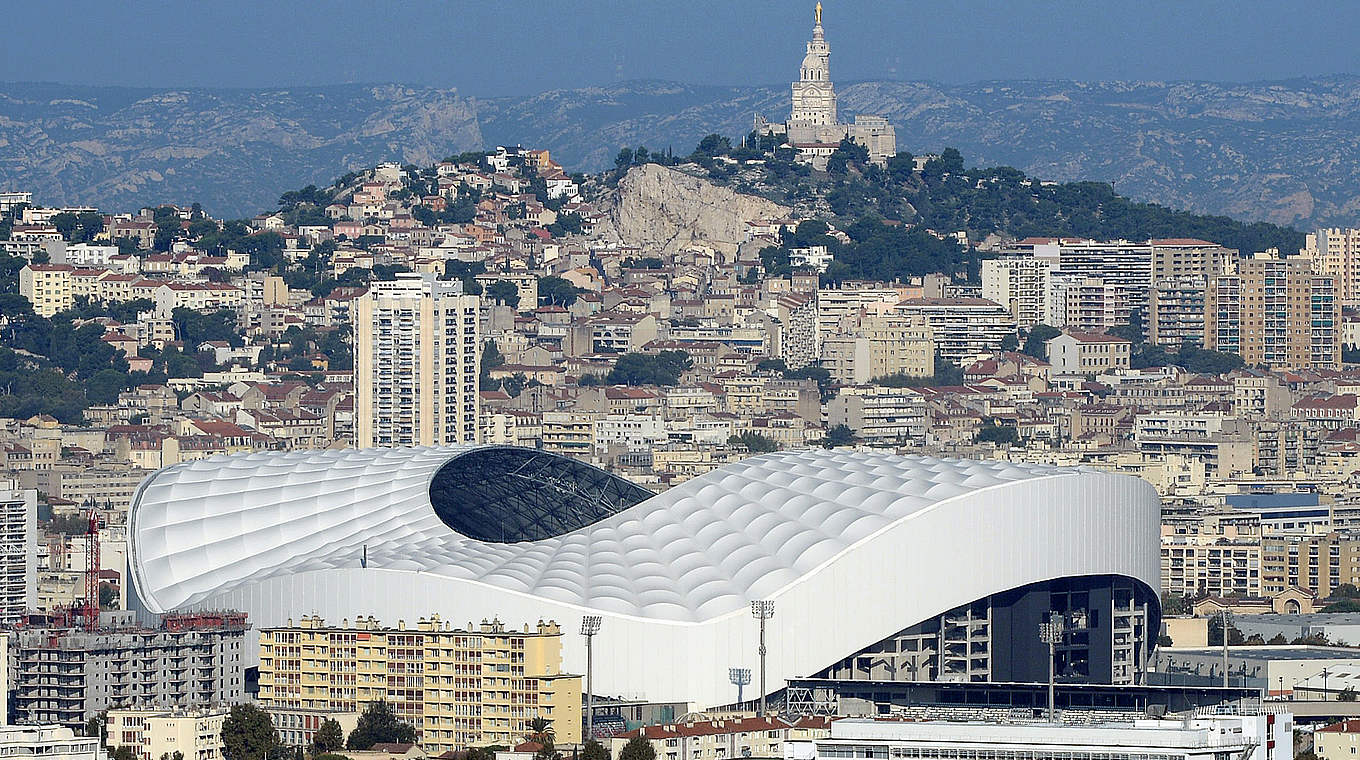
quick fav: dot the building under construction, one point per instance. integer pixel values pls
(66, 674)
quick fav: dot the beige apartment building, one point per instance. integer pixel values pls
(416, 363)
(47, 287)
(874, 345)
(152, 734)
(1199, 564)
(1315, 563)
(1335, 253)
(458, 687)
(1274, 312)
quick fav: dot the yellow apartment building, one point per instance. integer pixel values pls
(459, 687)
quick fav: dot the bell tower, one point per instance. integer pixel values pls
(814, 97)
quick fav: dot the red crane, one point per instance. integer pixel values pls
(92, 571)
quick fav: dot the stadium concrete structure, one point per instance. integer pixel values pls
(910, 568)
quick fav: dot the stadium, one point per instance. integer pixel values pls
(879, 566)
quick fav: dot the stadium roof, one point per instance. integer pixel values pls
(537, 523)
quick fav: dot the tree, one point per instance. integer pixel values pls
(1343, 605)
(108, 598)
(98, 726)
(1346, 591)
(248, 734)
(637, 748)
(664, 368)
(753, 442)
(503, 292)
(840, 435)
(593, 750)
(1176, 605)
(712, 146)
(328, 737)
(1278, 640)
(541, 731)
(378, 725)
(125, 753)
(993, 433)
(1131, 330)
(1036, 342)
(556, 291)
(1346, 695)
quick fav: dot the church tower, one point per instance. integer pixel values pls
(814, 97)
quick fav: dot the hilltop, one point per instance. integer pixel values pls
(1286, 152)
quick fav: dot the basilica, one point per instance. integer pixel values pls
(813, 128)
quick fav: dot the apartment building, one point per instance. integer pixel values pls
(49, 743)
(1087, 353)
(47, 287)
(151, 734)
(416, 363)
(867, 346)
(1335, 253)
(1176, 311)
(1198, 564)
(881, 416)
(66, 675)
(961, 328)
(799, 338)
(1082, 302)
(850, 298)
(1018, 283)
(1315, 563)
(1091, 284)
(458, 687)
(18, 551)
(1274, 312)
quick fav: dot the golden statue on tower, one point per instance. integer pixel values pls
(818, 14)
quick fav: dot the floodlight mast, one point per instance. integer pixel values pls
(590, 625)
(1051, 633)
(739, 678)
(1226, 616)
(762, 610)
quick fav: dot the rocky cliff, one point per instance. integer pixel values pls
(658, 208)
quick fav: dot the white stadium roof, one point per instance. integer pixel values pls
(858, 544)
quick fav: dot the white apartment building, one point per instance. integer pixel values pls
(416, 363)
(1082, 302)
(635, 432)
(18, 551)
(1018, 283)
(88, 255)
(799, 336)
(881, 416)
(961, 328)
(152, 734)
(834, 303)
(48, 742)
(1209, 737)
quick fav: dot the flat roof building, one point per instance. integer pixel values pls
(1249, 737)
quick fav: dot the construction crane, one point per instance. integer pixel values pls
(92, 571)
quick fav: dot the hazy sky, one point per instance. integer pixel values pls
(524, 46)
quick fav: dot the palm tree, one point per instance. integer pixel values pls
(540, 731)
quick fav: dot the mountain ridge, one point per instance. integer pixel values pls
(1286, 151)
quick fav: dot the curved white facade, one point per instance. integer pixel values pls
(852, 547)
